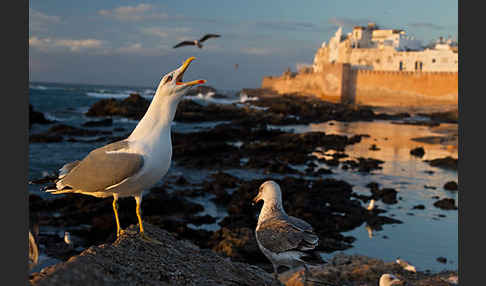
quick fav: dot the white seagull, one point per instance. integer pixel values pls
(130, 166)
(197, 43)
(389, 280)
(407, 266)
(281, 237)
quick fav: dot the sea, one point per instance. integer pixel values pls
(423, 236)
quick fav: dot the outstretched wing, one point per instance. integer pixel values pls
(184, 43)
(207, 36)
(101, 169)
(278, 235)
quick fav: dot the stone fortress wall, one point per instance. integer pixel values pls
(377, 75)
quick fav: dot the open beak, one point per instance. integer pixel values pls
(182, 69)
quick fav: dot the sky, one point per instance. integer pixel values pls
(129, 43)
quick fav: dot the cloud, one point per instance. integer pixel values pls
(287, 25)
(164, 32)
(348, 23)
(39, 22)
(46, 44)
(134, 13)
(424, 25)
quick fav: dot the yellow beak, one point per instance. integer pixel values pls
(182, 69)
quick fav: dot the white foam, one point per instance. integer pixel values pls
(122, 95)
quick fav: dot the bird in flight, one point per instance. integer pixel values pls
(197, 43)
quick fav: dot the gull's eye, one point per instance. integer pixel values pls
(169, 78)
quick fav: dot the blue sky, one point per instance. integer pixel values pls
(130, 42)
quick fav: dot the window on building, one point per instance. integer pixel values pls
(401, 66)
(433, 60)
(418, 66)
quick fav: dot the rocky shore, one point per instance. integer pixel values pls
(242, 141)
(132, 261)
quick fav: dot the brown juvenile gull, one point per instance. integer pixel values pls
(130, 166)
(389, 280)
(281, 237)
(197, 43)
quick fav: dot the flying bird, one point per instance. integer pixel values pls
(282, 238)
(389, 280)
(197, 43)
(132, 165)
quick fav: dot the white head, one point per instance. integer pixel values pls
(269, 191)
(389, 279)
(171, 84)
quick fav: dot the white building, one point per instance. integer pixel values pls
(388, 50)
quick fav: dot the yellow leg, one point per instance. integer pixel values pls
(138, 200)
(115, 210)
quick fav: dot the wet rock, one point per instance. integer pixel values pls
(442, 259)
(365, 165)
(98, 123)
(357, 270)
(419, 207)
(387, 195)
(446, 163)
(45, 138)
(132, 261)
(418, 152)
(451, 186)
(374, 148)
(430, 187)
(446, 204)
(36, 117)
(133, 107)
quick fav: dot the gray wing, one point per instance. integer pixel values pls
(207, 36)
(185, 43)
(300, 224)
(278, 235)
(100, 170)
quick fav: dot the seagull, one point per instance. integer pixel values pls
(197, 43)
(389, 279)
(407, 266)
(371, 206)
(281, 237)
(130, 166)
(33, 252)
(67, 239)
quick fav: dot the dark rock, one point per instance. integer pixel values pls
(419, 207)
(442, 259)
(451, 186)
(45, 138)
(166, 264)
(446, 204)
(133, 107)
(446, 163)
(418, 152)
(430, 187)
(374, 148)
(387, 195)
(36, 117)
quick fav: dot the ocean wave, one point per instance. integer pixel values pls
(123, 95)
(209, 98)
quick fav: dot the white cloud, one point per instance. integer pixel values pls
(46, 44)
(164, 32)
(131, 48)
(134, 13)
(39, 22)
